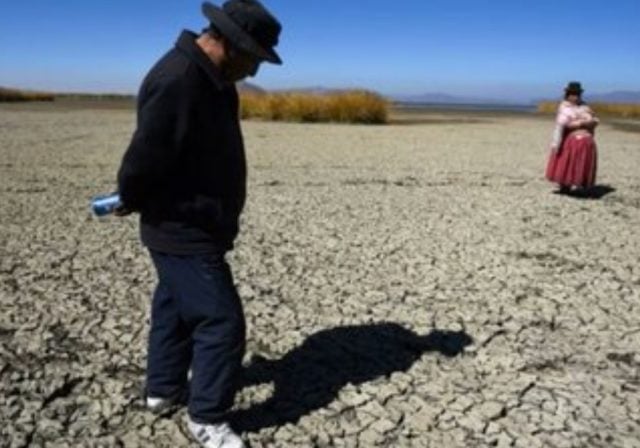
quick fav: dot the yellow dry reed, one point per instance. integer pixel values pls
(356, 106)
(618, 110)
(13, 95)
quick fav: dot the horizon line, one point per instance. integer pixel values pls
(449, 98)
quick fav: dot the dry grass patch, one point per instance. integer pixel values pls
(14, 95)
(604, 109)
(355, 106)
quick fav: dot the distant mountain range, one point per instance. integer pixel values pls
(440, 98)
(244, 86)
(313, 90)
(618, 96)
(247, 87)
(443, 98)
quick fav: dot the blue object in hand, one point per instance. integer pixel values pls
(105, 204)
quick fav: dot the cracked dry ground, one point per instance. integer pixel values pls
(405, 286)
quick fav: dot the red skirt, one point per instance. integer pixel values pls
(575, 163)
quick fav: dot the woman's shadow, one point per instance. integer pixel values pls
(311, 375)
(595, 192)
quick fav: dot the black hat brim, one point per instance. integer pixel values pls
(237, 35)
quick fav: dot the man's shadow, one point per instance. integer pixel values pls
(311, 375)
(595, 192)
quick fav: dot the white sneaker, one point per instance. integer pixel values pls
(218, 435)
(158, 405)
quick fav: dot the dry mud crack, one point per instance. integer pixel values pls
(405, 286)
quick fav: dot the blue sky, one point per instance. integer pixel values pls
(513, 50)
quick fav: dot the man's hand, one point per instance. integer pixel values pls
(121, 210)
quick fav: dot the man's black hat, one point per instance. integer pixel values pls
(574, 87)
(248, 25)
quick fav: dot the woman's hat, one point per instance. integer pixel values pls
(248, 25)
(574, 87)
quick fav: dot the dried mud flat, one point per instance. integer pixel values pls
(405, 286)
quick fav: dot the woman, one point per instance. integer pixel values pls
(573, 159)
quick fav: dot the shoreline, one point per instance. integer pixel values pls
(399, 113)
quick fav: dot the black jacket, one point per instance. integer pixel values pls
(185, 168)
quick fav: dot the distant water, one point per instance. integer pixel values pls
(489, 107)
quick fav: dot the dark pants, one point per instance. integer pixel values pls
(197, 321)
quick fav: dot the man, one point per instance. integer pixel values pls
(185, 173)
